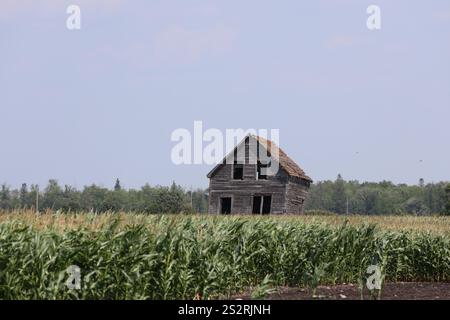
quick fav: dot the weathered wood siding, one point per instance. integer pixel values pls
(296, 194)
(222, 184)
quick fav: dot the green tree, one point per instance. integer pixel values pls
(148, 199)
(93, 198)
(23, 196)
(116, 200)
(339, 196)
(447, 206)
(70, 199)
(200, 201)
(33, 194)
(416, 206)
(117, 186)
(369, 197)
(52, 197)
(5, 197)
(421, 182)
(320, 196)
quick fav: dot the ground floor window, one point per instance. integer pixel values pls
(262, 204)
(225, 205)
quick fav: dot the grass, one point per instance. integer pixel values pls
(132, 256)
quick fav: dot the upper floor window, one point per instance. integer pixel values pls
(238, 171)
(260, 174)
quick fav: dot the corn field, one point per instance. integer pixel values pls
(182, 257)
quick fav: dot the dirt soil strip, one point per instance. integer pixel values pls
(390, 291)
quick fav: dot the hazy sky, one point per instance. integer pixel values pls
(91, 105)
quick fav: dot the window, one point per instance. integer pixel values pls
(259, 174)
(225, 205)
(238, 172)
(262, 204)
(267, 203)
(257, 205)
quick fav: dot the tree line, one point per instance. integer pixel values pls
(93, 198)
(339, 196)
(384, 197)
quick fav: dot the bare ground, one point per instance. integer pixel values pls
(390, 291)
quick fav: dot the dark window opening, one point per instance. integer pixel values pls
(225, 205)
(263, 162)
(262, 204)
(257, 205)
(238, 172)
(260, 174)
(267, 203)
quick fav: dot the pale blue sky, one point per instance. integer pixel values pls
(91, 105)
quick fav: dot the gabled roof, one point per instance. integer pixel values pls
(286, 163)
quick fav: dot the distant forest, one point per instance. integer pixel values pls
(384, 197)
(339, 196)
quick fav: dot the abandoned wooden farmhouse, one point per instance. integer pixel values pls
(240, 184)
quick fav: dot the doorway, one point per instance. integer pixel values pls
(225, 205)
